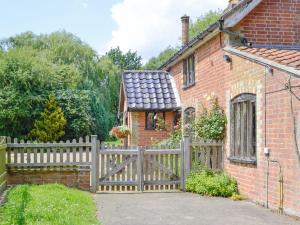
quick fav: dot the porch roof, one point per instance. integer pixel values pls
(287, 60)
(150, 91)
(287, 57)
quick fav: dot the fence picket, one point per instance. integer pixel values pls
(134, 168)
(80, 141)
(22, 151)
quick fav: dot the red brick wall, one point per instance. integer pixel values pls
(273, 22)
(149, 137)
(71, 178)
(142, 137)
(225, 80)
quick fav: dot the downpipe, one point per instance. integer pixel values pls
(280, 184)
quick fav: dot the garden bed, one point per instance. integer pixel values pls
(48, 204)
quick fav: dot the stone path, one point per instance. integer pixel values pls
(182, 209)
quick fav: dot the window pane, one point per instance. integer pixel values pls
(185, 72)
(243, 127)
(253, 130)
(150, 120)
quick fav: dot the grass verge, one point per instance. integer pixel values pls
(48, 204)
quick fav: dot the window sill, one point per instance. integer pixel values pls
(188, 86)
(242, 160)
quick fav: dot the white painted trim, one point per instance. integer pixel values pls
(175, 89)
(241, 13)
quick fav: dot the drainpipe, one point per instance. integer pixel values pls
(267, 154)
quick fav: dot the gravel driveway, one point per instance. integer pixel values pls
(182, 209)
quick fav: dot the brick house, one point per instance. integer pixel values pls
(249, 60)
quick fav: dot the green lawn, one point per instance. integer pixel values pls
(48, 204)
(117, 142)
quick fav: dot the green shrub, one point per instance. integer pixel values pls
(207, 182)
(174, 138)
(211, 123)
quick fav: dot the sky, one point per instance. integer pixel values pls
(145, 26)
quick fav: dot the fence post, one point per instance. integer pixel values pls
(182, 166)
(140, 169)
(186, 158)
(95, 164)
(3, 161)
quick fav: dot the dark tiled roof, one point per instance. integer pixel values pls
(150, 90)
(283, 56)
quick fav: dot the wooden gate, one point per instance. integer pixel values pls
(151, 169)
(138, 169)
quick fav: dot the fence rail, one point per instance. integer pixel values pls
(137, 169)
(114, 168)
(75, 153)
(206, 154)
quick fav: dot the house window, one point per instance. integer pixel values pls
(243, 128)
(153, 120)
(189, 71)
(177, 118)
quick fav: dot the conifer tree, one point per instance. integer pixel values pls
(51, 125)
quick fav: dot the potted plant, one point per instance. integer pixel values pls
(120, 132)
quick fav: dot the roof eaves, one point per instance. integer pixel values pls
(263, 61)
(240, 11)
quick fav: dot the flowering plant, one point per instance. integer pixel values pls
(119, 132)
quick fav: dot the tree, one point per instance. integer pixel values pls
(203, 22)
(50, 127)
(155, 62)
(125, 61)
(32, 67)
(196, 27)
(77, 108)
(26, 81)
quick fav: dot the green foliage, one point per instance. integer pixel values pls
(26, 81)
(125, 61)
(204, 22)
(51, 125)
(155, 62)
(32, 67)
(196, 27)
(210, 123)
(77, 108)
(237, 197)
(48, 204)
(174, 139)
(207, 182)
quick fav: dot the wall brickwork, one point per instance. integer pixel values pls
(142, 137)
(227, 80)
(79, 178)
(274, 22)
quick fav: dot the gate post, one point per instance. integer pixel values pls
(140, 169)
(95, 164)
(186, 161)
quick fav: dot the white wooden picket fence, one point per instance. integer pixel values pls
(114, 168)
(22, 154)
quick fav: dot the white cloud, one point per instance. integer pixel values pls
(149, 26)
